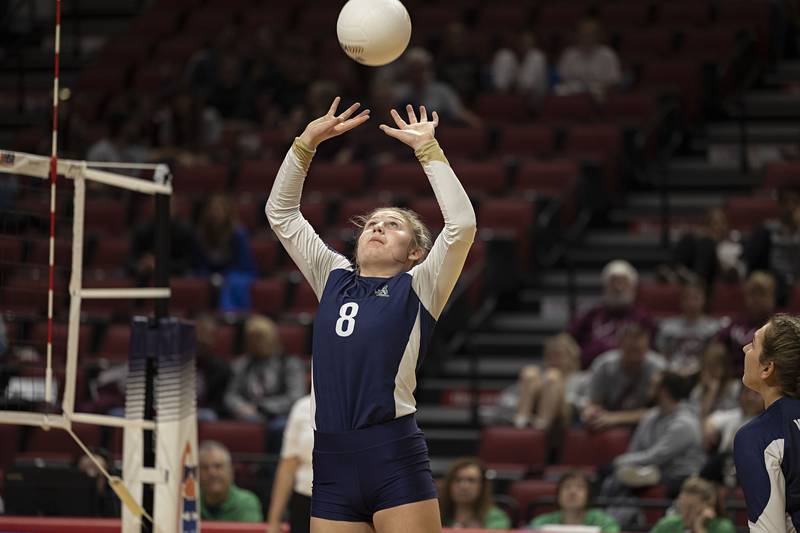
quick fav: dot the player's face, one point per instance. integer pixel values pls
(752, 366)
(386, 241)
(216, 473)
(574, 494)
(467, 485)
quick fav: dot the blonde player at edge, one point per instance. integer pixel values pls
(374, 322)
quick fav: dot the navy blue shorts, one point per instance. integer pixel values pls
(361, 472)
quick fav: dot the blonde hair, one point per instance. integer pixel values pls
(705, 490)
(261, 325)
(568, 344)
(760, 280)
(421, 235)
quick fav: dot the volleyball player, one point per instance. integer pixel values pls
(375, 319)
(767, 449)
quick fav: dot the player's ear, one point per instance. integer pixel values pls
(415, 254)
(767, 370)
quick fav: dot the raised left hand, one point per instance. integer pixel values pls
(413, 133)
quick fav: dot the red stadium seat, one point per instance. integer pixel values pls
(432, 18)
(266, 253)
(39, 253)
(102, 80)
(533, 496)
(550, 178)
(625, 14)
(660, 299)
(637, 108)
(645, 44)
(577, 108)
(681, 14)
(782, 175)
(226, 341)
(532, 140)
(754, 15)
(726, 300)
(201, 179)
(463, 142)
(9, 444)
(401, 178)
(209, 19)
(274, 18)
(106, 217)
(304, 299)
(601, 138)
(685, 77)
(112, 307)
(250, 211)
(331, 178)
(179, 48)
(584, 448)
(317, 20)
(510, 218)
(294, 338)
(498, 18)
(717, 44)
(116, 343)
(610, 443)
(512, 450)
(238, 437)
(268, 296)
(256, 177)
(561, 15)
(10, 254)
(190, 295)
(428, 208)
(59, 441)
(746, 213)
(29, 296)
(315, 211)
(502, 108)
(354, 207)
(481, 178)
(110, 253)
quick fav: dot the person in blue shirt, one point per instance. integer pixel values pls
(767, 449)
(372, 328)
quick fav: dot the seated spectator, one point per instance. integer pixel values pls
(775, 245)
(667, 444)
(265, 381)
(231, 94)
(292, 485)
(589, 65)
(121, 143)
(521, 67)
(223, 249)
(220, 498)
(620, 385)
(683, 339)
(759, 304)
(574, 506)
(141, 256)
(597, 330)
(213, 372)
(106, 502)
(548, 397)
(717, 388)
(424, 89)
(697, 509)
(466, 498)
(458, 63)
(711, 253)
(718, 432)
(184, 122)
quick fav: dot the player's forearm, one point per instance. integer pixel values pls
(283, 203)
(457, 211)
(282, 488)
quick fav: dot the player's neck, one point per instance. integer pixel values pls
(379, 271)
(771, 395)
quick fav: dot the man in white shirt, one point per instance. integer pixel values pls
(589, 65)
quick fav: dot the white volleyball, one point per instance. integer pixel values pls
(373, 32)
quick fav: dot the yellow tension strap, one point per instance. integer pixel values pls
(303, 153)
(430, 151)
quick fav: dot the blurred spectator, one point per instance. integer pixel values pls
(667, 444)
(319, 96)
(231, 94)
(712, 252)
(296, 66)
(589, 65)
(106, 385)
(697, 511)
(759, 303)
(684, 338)
(141, 255)
(185, 123)
(548, 397)
(424, 89)
(621, 381)
(521, 67)
(213, 372)
(224, 249)
(120, 143)
(466, 498)
(458, 62)
(3, 339)
(204, 66)
(574, 506)
(717, 388)
(597, 330)
(367, 146)
(220, 498)
(718, 432)
(775, 245)
(265, 382)
(106, 502)
(292, 485)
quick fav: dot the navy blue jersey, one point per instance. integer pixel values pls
(767, 455)
(370, 334)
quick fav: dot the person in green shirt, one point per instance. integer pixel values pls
(573, 492)
(466, 498)
(220, 498)
(697, 511)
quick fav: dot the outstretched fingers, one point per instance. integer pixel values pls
(398, 119)
(412, 117)
(423, 114)
(354, 122)
(349, 111)
(334, 106)
(435, 117)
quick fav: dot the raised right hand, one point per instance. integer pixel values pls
(330, 125)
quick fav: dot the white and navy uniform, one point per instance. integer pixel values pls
(767, 455)
(370, 337)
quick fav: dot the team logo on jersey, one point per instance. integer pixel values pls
(7, 159)
(383, 291)
(797, 422)
(187, 496)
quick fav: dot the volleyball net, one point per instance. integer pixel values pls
(73, 358)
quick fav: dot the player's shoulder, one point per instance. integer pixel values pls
(766, 427)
